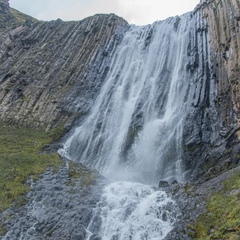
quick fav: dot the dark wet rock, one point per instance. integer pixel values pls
(174, 182)
(95, 237)
(210, 128)
(163, 184)
(57, 207)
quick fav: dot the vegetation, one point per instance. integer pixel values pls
(222, 219)
(21, 18)
(79, 172)
(20, 158)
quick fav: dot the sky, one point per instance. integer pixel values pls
(139, 12)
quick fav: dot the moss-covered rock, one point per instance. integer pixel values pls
(210, 209)
(222, 217)
(79, 172)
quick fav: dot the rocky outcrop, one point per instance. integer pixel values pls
(50, 72)
(223, 20)
(193, 200)
(211, 143)
(5, 12)
(11, 18)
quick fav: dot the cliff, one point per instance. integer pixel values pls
(212, 142)
(50, 72)
(223, 21)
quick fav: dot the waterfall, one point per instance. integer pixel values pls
(133, 134)
(134, 130)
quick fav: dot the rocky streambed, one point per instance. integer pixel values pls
(58, 206)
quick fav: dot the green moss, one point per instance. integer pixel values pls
(20, 159)
(21, 17)
(78, 172)
(3, 230)
(222, 219)
(190, 190)
(56, 133)
(229, 150)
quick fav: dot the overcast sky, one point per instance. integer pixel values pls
(138, 12)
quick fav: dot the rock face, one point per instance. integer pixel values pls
(192, 200)
(11, 18)
(212, 127)
(223, 22)
(5, 14)
(50, 72)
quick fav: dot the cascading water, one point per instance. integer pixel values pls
(134, 130)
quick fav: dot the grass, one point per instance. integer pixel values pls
(20, 159)
(222, 219)
(21, 17)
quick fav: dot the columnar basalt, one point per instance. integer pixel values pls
(164, 101)
(221, 24)
(52, 71)
(223, 19)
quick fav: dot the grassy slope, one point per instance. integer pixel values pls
(21, 17)
(20, 159)
(222, 219)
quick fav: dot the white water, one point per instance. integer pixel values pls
(134, 130)
(133, 211)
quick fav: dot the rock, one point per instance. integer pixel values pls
(212, 230)
(95, 237)
(191, 199)
(53, 80)
(163, 184)
(81, 235)
(174, 182)
(237, 15)
(4, 2)
(236, 149)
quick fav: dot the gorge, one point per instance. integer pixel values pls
(141, 104)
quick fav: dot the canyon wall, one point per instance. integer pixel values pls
(214, 152)
(223, 21)
(50, 72)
